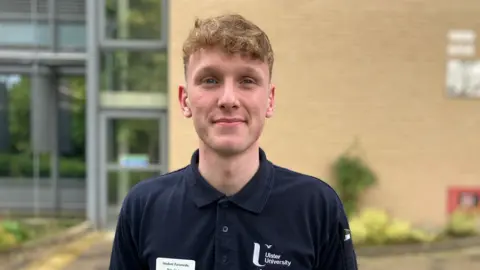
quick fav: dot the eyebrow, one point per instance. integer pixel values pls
(215, 70)
(207, 70)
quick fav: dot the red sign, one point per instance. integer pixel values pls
(466, 198)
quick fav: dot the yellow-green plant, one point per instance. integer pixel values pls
(7, 239)
(375, 227)
(462, 223)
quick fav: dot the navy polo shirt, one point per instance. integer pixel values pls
(280, 220)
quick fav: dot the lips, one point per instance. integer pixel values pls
(228, 120)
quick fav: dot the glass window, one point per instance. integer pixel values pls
(26, 34)
(138, 137)
(134, 19)
(71, 35)
(134, 71)
(16, 158)
(19, 167)
(71, 128)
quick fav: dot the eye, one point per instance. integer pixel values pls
(210, 81)
(248, 81)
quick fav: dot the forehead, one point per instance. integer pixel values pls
(205, 60)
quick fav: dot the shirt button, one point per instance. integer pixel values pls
(224, 259)
(225, 229)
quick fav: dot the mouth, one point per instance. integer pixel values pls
(228, 121)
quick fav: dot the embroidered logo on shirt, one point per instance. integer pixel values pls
(268, 258)
(347, 235)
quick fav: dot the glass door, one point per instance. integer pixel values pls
(133, 149)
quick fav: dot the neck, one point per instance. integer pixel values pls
(228, 175)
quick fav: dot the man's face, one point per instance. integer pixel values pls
(228, 98)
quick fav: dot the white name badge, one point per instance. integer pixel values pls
(174, 264)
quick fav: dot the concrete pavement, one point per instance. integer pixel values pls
(93, 253)
(90, 252)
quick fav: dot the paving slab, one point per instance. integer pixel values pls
(96, 258)
(84, 253)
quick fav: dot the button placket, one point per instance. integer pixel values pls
(222, 234)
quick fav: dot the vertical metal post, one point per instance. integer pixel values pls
(34, 87)
(92, 121)
(164, 13)
(52, 25)
(54, 174)
(36, 184)
(54, 142)
(103, 178)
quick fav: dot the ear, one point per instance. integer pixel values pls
(271, 101)
(184, 102)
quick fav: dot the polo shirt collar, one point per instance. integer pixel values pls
(252, 197)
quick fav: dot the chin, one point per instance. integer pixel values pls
(229, 148)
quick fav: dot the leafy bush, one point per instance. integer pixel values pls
(12, 233)
(359, 232)
(376, 227)
(7, 240)
(352, 177)
(375, 222)
(22, 166)
(398, 231)
(462, 223)
(20, 232)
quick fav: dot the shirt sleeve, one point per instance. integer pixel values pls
(125, 253)
(338, 252)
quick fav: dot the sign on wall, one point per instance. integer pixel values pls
(463, 78)
(463, 198)
(133, 161)
(463, 70)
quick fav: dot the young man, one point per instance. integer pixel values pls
(231, 208)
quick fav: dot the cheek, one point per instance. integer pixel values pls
(201, 104)
(199, 112)
(200, 115)
(259, 109)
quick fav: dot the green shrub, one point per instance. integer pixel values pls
(15, 228)
(7, 240)
(376, 227)
(462, 223)
(12, 233)
(22, 165)
(352, 178)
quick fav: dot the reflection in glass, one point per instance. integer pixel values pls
(134, 137)
(134, 19)
(71, 128)
(118, 185)
(134, 71)
(71, 35)
(26, 34)
(16, 158)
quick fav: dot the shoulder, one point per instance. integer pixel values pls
(311, 192)
(153, 189)
(304, 183)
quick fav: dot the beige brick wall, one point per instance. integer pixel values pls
(373, 69)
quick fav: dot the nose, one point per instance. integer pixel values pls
(228, 98)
